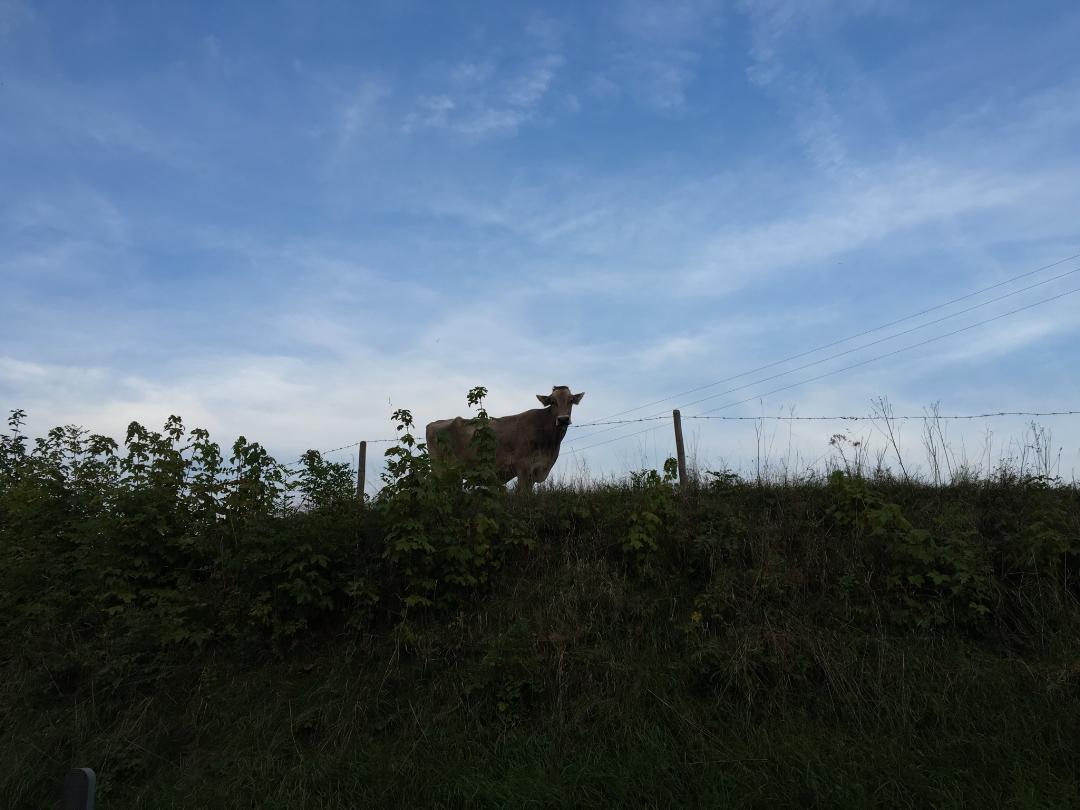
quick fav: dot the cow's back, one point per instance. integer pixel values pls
(432, 431)
(449, 437)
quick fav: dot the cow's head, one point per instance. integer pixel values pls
(560, 401)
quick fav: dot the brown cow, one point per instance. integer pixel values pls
(527, 443)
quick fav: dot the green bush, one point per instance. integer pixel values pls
(445, 534)
(162, 544)
(927, 579)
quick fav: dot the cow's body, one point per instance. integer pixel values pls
(526, 444)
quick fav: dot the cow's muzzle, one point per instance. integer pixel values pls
(562, 421)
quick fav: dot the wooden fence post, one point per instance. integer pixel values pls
(361, 473)
(679, 450)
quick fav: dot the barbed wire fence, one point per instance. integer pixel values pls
(865, 332)
(674, 421)
(361, 465)
(612, 422)
(815, 378)
(675, 418)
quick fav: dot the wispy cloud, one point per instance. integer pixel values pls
(656, 79)
(529, 88)
(479, 103)
(851, 216)
(787, 40)
(359, 109)
(652, 53)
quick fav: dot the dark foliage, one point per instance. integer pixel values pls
(240, 633)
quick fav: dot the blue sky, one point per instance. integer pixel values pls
(285, 219)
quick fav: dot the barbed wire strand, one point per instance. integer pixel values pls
(836, 355)
(336, 449)
(850, 337)
(888, 416)
(844, 368)
(839, 418)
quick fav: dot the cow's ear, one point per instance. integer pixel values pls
(578, 397)
(544, 399)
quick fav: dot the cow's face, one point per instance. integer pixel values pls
(560, 402)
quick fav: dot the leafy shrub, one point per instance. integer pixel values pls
(719, 527)
(445, 533)
(927, 580)
(161, 544)
(653, 520)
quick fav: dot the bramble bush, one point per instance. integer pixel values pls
(445, 532)
(655, 516)
(927, 578)
(162, 544)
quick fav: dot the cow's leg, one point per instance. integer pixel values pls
(533, 474)
(524, 481)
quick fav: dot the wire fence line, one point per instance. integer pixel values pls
(833, 418)
(846, 352)
(343, 447)
(880, 417)
(830, 373)
(824, 346)
(764, 417)
(914, 329)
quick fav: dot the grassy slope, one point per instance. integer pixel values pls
(743, 664)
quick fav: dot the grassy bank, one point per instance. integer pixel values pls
(219, 632)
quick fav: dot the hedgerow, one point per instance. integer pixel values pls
(131, 570)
